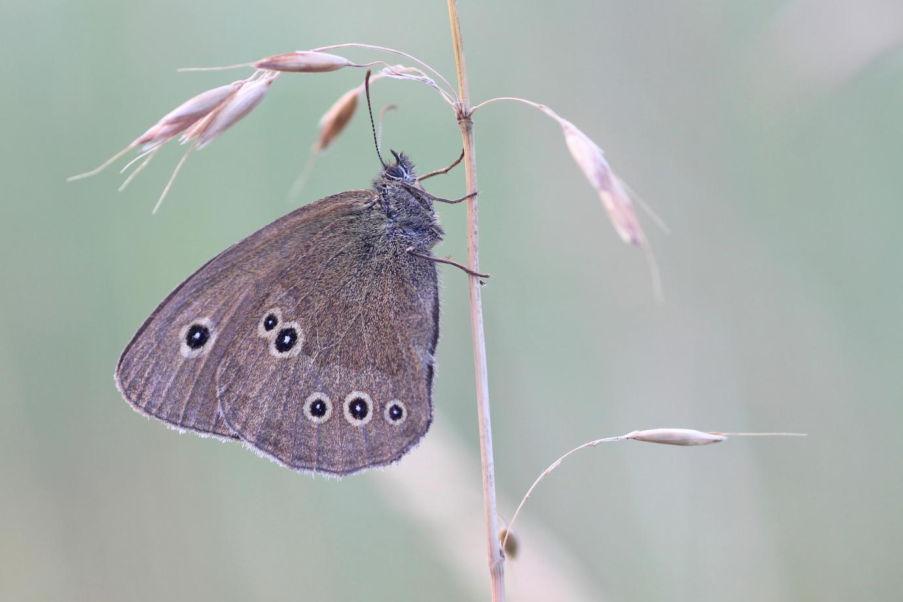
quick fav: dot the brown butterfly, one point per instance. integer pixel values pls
(311, 340)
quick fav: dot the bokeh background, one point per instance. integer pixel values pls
(767, 135)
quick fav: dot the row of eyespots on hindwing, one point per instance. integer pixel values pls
(357, 408)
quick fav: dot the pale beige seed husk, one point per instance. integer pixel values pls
(185, 115)
(336, 118)
(303, 61)
(198, 106)
(233, 110)
(615, 199)
(672, 436)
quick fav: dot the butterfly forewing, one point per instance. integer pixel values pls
(164, 375)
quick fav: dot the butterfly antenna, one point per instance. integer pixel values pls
(372, 124)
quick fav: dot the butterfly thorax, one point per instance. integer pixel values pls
(409, 214)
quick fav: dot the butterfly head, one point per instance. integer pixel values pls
(408, 210)
(402, 170)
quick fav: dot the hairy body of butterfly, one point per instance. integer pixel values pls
(311, 340)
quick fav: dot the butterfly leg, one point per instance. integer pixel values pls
(453, 201)
(444, 170)
(451, 262)
(419, 191)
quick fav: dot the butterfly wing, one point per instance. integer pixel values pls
(168, 369)
(343, 382)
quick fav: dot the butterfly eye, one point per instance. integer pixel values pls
(196, 338)
(318, 408)
(357, 408)
(395, 412)
(288, 341)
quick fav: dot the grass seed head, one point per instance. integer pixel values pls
(336, 118)
(612, 192)
(184, 116)
(304, 61)
(670, 436)
(230, 112)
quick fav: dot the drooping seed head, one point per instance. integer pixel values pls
(242, 102)
(193, 109)
(304, 61)
(336, 118)
(184, 116)
(612, 192)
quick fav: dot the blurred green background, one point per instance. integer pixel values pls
(768, 136)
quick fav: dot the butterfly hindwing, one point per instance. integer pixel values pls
(343, 380)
